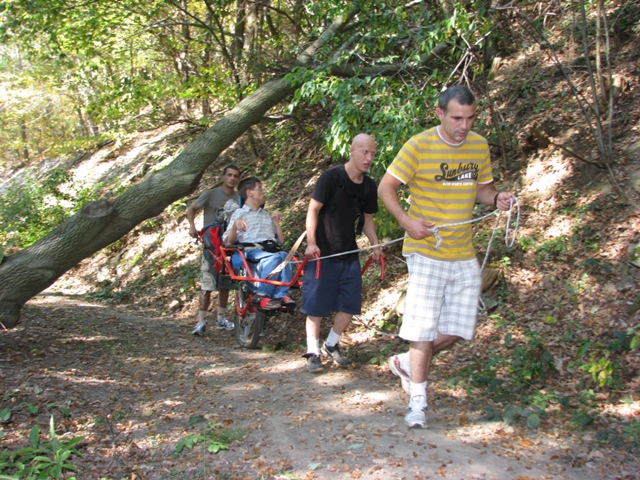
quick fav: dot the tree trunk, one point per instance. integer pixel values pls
(98, 224)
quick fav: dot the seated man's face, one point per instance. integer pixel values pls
(258, 194)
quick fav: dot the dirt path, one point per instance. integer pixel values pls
(132, 382)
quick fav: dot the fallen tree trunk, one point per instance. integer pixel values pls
(30, 271)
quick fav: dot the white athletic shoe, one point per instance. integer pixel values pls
(224, 324)
(416, 416)
(200, 328)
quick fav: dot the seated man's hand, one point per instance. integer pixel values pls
(276, 217)
(240, 225)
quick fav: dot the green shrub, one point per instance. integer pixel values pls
(29, 210)
(531, 361)
(42, 459)
(214, 437)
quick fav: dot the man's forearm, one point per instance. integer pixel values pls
(191, 215)
(232, 235)
(486, 194)
(369, 230)
(279, 234)
(311, 225)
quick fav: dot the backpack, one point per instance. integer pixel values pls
(211, 237)
(359, 200)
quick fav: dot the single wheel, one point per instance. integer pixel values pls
(249, 321)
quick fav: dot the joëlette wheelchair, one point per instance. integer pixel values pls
(235, 272)
(241, 274)
(250, 319)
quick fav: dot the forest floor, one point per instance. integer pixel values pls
(135, 383)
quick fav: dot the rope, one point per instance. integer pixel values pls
(509, 242)
(379, 332)
(358, 250)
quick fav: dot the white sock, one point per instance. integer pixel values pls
(202, 315)
(418, 390)
(333, 339)
(313, 346)
(221, 312)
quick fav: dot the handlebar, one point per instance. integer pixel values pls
(382, 266)
(366, 265)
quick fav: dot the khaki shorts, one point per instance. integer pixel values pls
(208, 282)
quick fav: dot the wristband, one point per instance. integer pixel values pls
(495, 200)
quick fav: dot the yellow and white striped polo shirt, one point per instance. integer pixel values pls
(442, 181)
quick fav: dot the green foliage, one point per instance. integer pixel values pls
(632, 432)
(391, 108)
(551, 250)
(526, 243)
(601, 370)
(627, 436)
(111, 292)
(5, 417)
(364, 105)
(214, 437)
(29, 210)
(380, 357)
(42, 459)
(188, 277)
(531, 415)
(582, 418)
(634, 334)
(531, 361)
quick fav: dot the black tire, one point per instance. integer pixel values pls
(248, 327)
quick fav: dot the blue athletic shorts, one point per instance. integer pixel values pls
(339, 288)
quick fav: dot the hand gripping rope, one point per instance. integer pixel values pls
(509, 240)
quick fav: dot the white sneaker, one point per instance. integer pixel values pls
(224, 324)
(200, 328)
(416, 416)
(396, 368)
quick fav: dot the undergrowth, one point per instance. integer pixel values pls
(30, 209)
(44, 458)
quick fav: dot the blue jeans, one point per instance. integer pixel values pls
(266, 263)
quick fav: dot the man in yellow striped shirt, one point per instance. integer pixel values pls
(447, 169)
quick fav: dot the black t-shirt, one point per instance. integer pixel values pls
(336, 232)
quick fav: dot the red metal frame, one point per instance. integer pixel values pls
(382, 266)
(228, 251)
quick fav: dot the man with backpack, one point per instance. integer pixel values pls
(212, 202)
(342, 196)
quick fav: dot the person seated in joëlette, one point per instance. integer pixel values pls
(252, 224)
